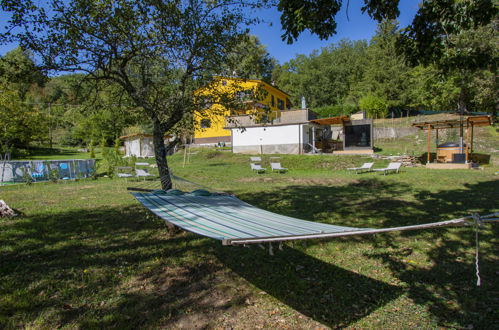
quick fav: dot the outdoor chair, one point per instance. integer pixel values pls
(392, 167)
(255, 159)
(366, 167)
(257, 168)
(276, 166)
(142, 173)
(124, 172)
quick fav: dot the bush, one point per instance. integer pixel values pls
(336, 110)
(91, 149)
(213, 154)
(375, 106)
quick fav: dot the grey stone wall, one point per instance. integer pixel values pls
(393, 132)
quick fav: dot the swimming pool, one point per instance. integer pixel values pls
(18, 171)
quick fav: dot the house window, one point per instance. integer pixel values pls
(205, 123)
(273, 101)
(280, 104)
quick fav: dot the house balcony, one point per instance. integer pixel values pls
(287, 117)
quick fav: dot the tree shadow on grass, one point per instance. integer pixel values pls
(105, 267)
(446, 284)
(329, 294)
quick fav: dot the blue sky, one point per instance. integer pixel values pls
(359, 26)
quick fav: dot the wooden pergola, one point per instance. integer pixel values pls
(469, 123)
(339, 120)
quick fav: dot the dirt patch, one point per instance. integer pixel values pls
(210, 297)
(317, 181)
(257, 179)
(298, 181)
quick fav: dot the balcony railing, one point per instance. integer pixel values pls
(286, 117)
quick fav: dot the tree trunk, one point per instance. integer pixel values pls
(160, 155)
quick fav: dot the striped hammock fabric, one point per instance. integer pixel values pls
(227, 218)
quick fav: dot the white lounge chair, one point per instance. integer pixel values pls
(124, 172)
(276, 166)
(366, 167)
(255, 159)
(257, 168)
(142, 173)
(392, 167)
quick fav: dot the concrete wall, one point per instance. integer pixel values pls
(286, 139)
(393, 132)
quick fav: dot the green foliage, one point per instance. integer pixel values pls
(19, 123)
(385, 73)
(53, 175)
(91, 148)
(249, 59)
(27, 178)
(326, 77)
(18, 69)
(433, 37)
(426, 40)
(375, 106)
(111, 159)
(336, 110)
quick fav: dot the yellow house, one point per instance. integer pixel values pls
(234, 96)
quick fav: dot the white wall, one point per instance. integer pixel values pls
(270, 135)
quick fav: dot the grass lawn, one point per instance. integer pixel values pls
(87, 255)
(58, 153)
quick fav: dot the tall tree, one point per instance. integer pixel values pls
(18, 69)
(250, 59)
(20, 123)
(385, 72)
(157, 51)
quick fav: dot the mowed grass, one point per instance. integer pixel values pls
(87, 255)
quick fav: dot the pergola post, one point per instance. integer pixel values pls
(467, 143)
(428, 143)
(436, 138)
(313, 139)
(471, 140)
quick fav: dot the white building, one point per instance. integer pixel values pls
(292, 133)
(139, 145)
(299, 132)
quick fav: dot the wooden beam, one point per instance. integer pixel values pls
(467, 143)
(471, 142)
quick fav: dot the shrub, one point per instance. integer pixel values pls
(28, 179)
(336, 110)
(375, 106)
(91, 149)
